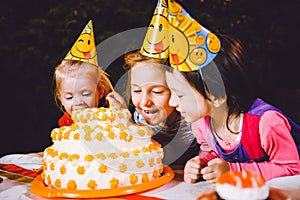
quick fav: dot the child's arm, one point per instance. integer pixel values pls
(278, 143)
(207, 152)
(116, 100)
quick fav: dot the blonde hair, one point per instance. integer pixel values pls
(135, 57)
(72, 69)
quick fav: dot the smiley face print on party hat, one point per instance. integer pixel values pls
(156, 42)
(200, 47)
(84, 49)
(190, 45)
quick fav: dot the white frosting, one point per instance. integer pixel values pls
(227, 191)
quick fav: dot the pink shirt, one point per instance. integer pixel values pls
(275, 140)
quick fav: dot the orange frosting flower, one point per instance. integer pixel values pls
(66, 135)
(80, 170)
(124, 154)
(82, 119)
(52, 166)
(76, 136)
(60, 136)
(136, 152)
(92, 184)
(140, 164)
(123, 135)
(73, 127)
(122, 167)
(155, 174)
(112, 155)
(102, 169)
(114, 183)
(72, 185)
(108, 128)
(99, 136)
(89, 158)
(145, 178)
(74, 157)
(133, 179)
(141, 131)
(111, 135)
(101, 156)
(63, 169)
(151, 162)
(63, 155)
(129, 138)
(57, 183)
(53, 134)
(87, 136)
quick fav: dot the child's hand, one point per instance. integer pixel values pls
(192, 170)
(215, 168)
(116, 100)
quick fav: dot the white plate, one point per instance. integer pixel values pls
(286, 182)
(29, 161)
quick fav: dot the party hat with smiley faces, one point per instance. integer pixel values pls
(84, 48)
(189, 45)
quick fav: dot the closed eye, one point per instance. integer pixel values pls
(68, 97)
(137, 91)
(87, 94)
(178, 95)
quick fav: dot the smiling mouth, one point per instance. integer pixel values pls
(149, 112)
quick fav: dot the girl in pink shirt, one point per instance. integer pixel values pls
(236, 131)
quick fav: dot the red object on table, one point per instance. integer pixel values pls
(19, 170)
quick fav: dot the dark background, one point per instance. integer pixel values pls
(35, 35)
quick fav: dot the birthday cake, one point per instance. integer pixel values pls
(103, 149)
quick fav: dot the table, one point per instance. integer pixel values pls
(17, 186)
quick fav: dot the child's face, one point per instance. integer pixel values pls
(150, 94)
(188, 101)
(79, 92)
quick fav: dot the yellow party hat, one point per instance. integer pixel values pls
(84, 49)
(190, 45)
